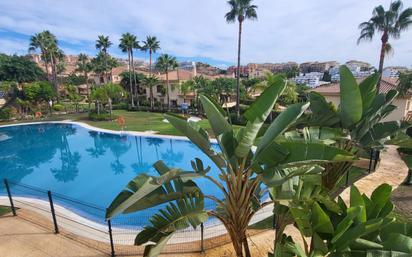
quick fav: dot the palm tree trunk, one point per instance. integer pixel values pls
(53, 66)
(88, 89)
(238, 71)
(135, 83)
(384, 41)
(130, 80)
(150, 62)
(151, 98)
(167, 90)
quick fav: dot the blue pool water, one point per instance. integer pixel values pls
(87, 165)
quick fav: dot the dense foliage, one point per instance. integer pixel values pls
(19, 69)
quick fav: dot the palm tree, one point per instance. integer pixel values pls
(83, 65)
(150, 82)
(166, 63)
(127, 43)
(240, 10)
(152, 45)
(46, 42)
(390, 23)
(102, 44)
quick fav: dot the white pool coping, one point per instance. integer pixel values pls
(86, 228)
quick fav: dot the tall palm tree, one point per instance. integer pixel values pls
(240, 10)
(47, 43)
(127, 43)
(83, 65)
(390, 23)
(166, 63)
(150, 82)
(152, 45)
(102, 44)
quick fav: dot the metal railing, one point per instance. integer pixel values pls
(85, 222)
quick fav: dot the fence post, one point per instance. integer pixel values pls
(202, 233)
(56, 228)
(377, 156)
(109, 224)
(370, 161)
(6, 183)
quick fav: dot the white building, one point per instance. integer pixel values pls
(312, 79)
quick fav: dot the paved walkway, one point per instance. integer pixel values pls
(21, 238)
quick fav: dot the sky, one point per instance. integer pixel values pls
(286, 30)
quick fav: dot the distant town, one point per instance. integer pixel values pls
(312, 74)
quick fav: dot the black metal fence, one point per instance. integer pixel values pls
(85, 222)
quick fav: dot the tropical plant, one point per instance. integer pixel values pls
(107, 93)
(84, 66)
(74, 96)
(152, 45)
(405, 83)
(391, 23)
(102, 64)
(47, 43)
(166, 63)
(150, 82)
(102, 44)
(19, 69)
(241, 172)
(38, 92)
(240, 10)
(367, 227)
(128, 42)
(360, 117)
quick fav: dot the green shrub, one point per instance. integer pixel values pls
(5, 114)
(121, 106)
(101, 117)
(58, 107)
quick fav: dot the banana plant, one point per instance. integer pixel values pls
(242, 162)
(367, 227)
(360, 116)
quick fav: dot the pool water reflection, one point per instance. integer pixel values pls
(88, 165)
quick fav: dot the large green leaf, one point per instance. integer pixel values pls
(368, 90)
(356, 199)
(323, 114)
(217, 121)
(320, 220)
(350, 98)
(186, 212)
(197, 135)
(301, 153)
(381, 131)
(280, 125)
(398, 242)
(258, 113)
(146, 191)
(380, 198)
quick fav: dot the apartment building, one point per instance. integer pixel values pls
(307, 67)
(393, 71)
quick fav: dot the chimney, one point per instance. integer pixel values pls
(194, 69)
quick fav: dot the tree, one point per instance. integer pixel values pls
(152, 45)
(390, 23)
(405, 83)
(107, 94)
(166, 63)
(103, 63)
(241, 172)
(186, 87)
(240, 11)
(127, 43)
(84, 66)
(74, 96)
(38, 92)
(47, 43)
(102, 44)
(19, 69)
(150, 82)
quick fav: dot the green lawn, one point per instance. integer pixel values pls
(4, 210)
(135, 121)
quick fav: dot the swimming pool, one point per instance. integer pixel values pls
(90, 165)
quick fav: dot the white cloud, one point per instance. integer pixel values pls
(297, 30)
